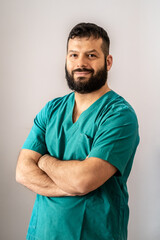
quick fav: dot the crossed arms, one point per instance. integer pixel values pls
(49, 176)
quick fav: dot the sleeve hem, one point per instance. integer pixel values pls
(39, 148)
(107, 157)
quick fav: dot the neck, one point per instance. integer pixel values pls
(83, 101)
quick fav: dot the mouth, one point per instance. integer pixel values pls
(82, 73)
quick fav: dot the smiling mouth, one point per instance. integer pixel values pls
(82, 73)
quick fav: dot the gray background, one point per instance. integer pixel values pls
(33, 37)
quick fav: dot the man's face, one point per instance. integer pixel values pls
(86, 67)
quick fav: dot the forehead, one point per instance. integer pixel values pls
(85, 44)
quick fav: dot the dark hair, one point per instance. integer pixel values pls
(90, 30)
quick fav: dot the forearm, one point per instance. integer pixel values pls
(75, 176)
(31, 176)
(66, 174)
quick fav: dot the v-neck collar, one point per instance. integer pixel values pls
(89, 109)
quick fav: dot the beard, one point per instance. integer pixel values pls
(95, 82)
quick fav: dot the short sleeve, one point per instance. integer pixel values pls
(116, 138)
(36, 138)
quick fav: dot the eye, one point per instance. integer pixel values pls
(92, 56)
(73, 55)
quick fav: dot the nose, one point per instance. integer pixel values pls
(82, 62)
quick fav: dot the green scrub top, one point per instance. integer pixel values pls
(108, 129)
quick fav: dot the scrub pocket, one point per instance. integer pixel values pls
(84, 145)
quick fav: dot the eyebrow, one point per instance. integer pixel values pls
(72, 51)
(90, 51)
(93, 50)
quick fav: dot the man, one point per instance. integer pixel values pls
(79, 153)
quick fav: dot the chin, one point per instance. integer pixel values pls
(81, 79)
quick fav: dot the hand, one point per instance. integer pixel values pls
(42, 161)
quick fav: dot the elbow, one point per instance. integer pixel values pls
(19, 176)
(75, 187)
(83, 187)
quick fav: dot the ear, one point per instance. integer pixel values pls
(109, 62)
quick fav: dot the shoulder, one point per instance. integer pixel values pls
(118, 110)
(56, 103)
(118, 121)
(59, 100)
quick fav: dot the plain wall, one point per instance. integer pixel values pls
(33, 36)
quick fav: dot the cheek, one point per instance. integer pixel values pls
(69, 68)
(70, 65)
(100, 65)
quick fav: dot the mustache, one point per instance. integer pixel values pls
(83, 70)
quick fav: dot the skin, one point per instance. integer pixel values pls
(31, 176)
(49, 176)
